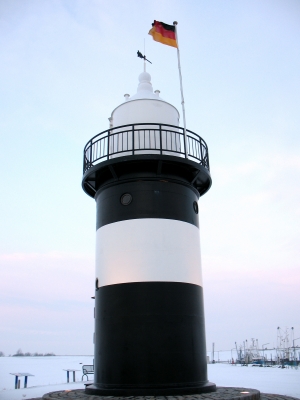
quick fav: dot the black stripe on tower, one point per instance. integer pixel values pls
(150, 340)
(148, 199)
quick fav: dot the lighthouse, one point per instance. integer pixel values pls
(146, 174)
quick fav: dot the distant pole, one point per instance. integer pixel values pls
(181, 90)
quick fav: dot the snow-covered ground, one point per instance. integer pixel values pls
(37, 391)
(49, 376)
(267, 380)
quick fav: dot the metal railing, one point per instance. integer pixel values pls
(145, 138)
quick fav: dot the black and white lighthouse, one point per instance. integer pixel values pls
(146, 176)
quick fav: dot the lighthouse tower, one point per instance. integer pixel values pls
(146, 178)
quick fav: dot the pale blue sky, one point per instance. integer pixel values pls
(65, 65)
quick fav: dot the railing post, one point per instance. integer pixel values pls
(160, 139)
(91, 155)
(186, 146)
(108, 135)
(133, 140)
(207, 158)
(201, 153)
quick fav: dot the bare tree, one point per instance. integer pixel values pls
(19, 353)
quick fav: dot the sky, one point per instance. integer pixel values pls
(65, 65)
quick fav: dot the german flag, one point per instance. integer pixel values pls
(163, 33)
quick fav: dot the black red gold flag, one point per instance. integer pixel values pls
(163, 33)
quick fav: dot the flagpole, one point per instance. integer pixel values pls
(181, 89)
(144, 56)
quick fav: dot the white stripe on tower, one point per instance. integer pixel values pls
(148, 250)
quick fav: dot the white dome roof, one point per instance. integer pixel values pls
(144, 107)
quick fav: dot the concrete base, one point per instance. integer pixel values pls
(226, 393)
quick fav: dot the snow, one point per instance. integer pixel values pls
(50, 376)
(37, 391)
(266, 379)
